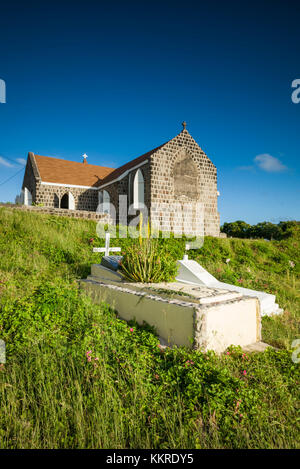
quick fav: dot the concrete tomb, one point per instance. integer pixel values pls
(184, 314)
(190, 272)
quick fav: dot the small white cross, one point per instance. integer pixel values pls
(107, 248)
(193, 245)
(85, 156)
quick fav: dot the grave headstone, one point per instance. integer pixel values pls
(111, 262)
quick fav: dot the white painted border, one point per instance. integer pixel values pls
(68, 185)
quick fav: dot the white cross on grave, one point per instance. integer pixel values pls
(187, 248)
(107, 249)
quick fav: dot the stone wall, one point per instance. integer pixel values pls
(182, 173)
(51, 195)
(180, 189)
(61, 212)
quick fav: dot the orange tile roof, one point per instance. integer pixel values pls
(69, 172)
(83, 174)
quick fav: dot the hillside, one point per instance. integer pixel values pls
(128, 392)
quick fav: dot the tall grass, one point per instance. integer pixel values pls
(79, 377)
(146, 261)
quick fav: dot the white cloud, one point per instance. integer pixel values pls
(269, 163)
(6, 163)
(21, 161)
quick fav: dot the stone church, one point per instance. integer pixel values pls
(173, 178)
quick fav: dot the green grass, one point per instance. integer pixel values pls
(135, 395)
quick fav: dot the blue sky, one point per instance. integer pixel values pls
(116, 79)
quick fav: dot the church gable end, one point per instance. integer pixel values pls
(31, 178)
(182, 172)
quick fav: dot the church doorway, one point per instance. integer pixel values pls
(67, 201)
(64, 203)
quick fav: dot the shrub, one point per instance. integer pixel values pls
(146, 261)
(266, 230)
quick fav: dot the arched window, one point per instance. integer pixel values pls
(56, 201)
(106, 202)
(138, 190)
(64, 203)
(100, 202)
(68, 201)
(103, 202)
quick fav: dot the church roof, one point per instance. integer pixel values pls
(131, 164)
(65, 172)
(69, 172)
(82, 174)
